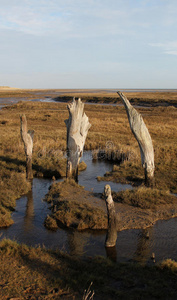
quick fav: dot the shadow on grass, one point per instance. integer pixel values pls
(38, 170)
(110, 280)
(135, 180)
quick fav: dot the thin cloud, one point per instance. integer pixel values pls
(172, 52)
(167, 48)
(71, 18)
(107, 39)
(40, 19)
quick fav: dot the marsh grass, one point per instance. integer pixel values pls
(37, 273)
(48, 159)
(12, 186)
(51, 223)
(145, 198)
(110, 132)
(71, 207)
(169, 264)
(112, 154)
(136, 98)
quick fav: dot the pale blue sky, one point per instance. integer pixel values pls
(88, 43)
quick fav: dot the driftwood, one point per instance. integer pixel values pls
(27, 138)
(143, 137)
(77, 129)
(111, 236)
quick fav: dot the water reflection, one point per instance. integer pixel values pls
(143, 251)
(137, 245)
(139, 248)
(111, 253)
(88, 178)
(29, 214)
(76, 243)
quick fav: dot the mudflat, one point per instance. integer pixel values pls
(152, 97)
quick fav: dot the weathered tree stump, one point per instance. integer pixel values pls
(77, 129)
(27, 138)
(143, 137)
(111, 236)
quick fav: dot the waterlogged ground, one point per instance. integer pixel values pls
(136, 245)
(30, 273)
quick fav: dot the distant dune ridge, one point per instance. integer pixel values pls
(8, 87)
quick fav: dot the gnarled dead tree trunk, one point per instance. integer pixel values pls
(77, 129)
(111, 236)
(27, 138)
(143, 137)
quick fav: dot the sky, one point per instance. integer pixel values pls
(88, 44)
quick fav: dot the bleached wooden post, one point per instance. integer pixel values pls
(111, 236)
(27, 138)
(143, 137)
(77, 129)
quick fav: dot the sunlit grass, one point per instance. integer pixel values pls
(109, 128)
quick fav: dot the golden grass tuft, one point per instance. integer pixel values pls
(145, 198)
(169, 264)
(50, 223)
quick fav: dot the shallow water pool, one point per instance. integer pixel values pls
(31, 211)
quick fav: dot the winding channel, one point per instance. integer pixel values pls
(31, 211)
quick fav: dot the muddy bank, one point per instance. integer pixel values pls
(107, 96)
(163, 100)
(73, 207)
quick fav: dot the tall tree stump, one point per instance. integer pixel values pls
(77, 129)
(143, 137)
(111, 236)
(27, 138)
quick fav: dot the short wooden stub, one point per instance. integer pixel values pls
(111, 236)
(143, 137)
(77, 129)
(27, 138)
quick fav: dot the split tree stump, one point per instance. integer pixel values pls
(27, 138)
(77, 129)
(143, 137)
(111, 236)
